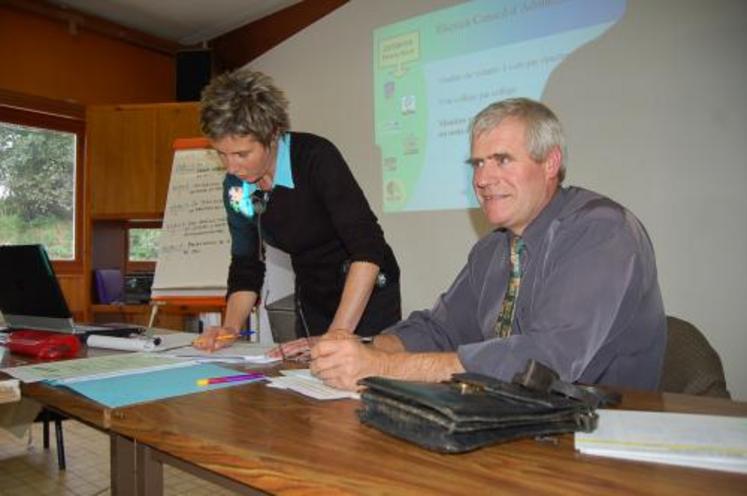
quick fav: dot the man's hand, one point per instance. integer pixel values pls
(215, 338)
(340, 360)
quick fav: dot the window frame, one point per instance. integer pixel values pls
(36, 113)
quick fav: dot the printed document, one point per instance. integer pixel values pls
(703, 441)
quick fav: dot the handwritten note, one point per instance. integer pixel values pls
(194, 250)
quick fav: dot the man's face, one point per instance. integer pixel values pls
(512, 188)
(245, 157)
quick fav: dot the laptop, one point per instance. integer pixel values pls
(31, 297)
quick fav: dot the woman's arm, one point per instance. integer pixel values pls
(355, 295)
(238, 307)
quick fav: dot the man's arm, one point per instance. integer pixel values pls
(389, 343)
(341, 362)
(421, 347)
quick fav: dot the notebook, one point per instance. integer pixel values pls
(31, 297)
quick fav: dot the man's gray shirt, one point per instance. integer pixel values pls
(589, 304)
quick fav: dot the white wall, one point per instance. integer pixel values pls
(656, 113)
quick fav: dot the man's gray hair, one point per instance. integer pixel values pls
(244, 103)
(543, 129)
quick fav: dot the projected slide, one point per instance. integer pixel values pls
(434, 72)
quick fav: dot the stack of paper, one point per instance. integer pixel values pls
(301, 381)
(702, 441)
(10, 391)
(237, 353)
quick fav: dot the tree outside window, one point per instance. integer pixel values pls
(143, 244)
(37, 188)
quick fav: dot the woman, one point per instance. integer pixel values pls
(295, 192)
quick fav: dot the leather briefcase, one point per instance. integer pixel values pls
(474, 410)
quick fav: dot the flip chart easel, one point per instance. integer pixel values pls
(194, 249)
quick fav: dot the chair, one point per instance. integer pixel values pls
(691, 365)
(46, 416)
(109, 285)
(282, 316)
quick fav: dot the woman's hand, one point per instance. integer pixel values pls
(215, 338)
(298, 349)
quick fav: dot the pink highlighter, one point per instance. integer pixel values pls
(253, 376)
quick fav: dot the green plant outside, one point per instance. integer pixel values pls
(143, 245)
(55, 234)
(37, 188)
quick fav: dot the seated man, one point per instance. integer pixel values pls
(568, 278)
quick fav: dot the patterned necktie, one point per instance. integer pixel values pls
(506, 315)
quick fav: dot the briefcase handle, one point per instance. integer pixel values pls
(539, 377)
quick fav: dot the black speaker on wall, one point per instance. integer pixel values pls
(193, 71)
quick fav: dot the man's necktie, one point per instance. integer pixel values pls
(506, 315)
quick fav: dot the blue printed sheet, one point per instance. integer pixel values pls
(129, 389)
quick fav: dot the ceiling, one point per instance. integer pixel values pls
(187, 22)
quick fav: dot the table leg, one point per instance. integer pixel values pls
(123, 476)
(149, 472)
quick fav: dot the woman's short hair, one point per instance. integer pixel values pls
(543, 129)
(244, 103)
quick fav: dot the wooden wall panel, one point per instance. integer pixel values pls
(44, 57)
(172, 121)
(74, 288)
(120, 154)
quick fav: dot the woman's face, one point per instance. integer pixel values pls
(246, 158)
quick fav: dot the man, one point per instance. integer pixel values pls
(568, 278)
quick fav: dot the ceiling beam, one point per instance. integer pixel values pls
(242, 45)
(78, 21)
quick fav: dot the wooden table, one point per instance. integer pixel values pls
(123, 450)
(254, 437)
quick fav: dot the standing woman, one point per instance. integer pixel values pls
(295, 192)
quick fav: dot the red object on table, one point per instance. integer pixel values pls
(42, 344)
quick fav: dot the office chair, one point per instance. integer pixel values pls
(282, 316)
(45, 417)
(691, 365)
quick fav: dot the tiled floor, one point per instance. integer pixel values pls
(27, 469)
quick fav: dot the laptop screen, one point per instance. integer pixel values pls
(30, 296)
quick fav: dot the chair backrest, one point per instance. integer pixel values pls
(109, 285)
(282, 316)
(691, 365)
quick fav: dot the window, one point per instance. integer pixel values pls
(41, 182)
(142, 245)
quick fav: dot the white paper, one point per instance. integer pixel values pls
(123, 344)
(711, 463)
(10, 390)
(301, 381)
(705, 441)
(237, 353)
(83, 368)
